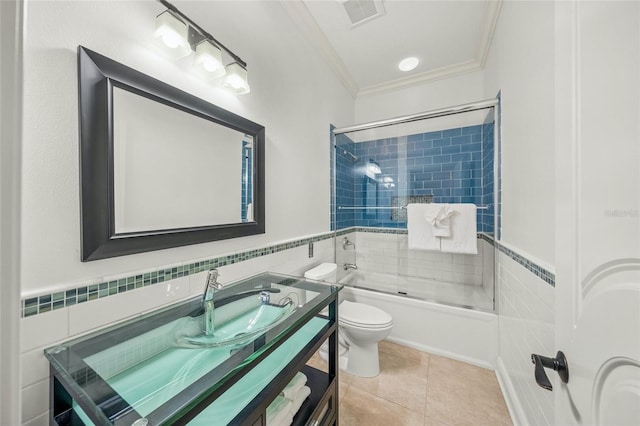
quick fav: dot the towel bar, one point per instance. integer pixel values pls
(391, 207)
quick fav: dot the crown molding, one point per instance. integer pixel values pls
(298, 11)
(423, 77)
(489, 24)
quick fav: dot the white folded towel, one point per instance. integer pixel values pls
(302, 394)
(464, 232)
(284, 419)
(250, 212)
(441, 220)
(292, 388)
(279, 412)
(282, 410)
(419, 229)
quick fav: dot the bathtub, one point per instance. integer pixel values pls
(464, 334)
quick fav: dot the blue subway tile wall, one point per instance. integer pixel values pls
(345, 173)
(447, 164)
(486, 216)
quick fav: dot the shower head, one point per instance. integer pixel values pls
(348, 154)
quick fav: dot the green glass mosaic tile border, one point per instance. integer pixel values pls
(537, 270)
(52, 301)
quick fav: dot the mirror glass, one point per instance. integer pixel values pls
(173, 169)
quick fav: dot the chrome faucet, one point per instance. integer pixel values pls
(211, 285)
(346, 243)
(265, 297)
(350, 266)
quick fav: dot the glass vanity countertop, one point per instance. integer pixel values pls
(144, 367)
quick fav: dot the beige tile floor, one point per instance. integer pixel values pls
(417, 388)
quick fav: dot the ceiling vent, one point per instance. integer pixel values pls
(361, 11)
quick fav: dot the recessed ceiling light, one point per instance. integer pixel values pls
(408, 64)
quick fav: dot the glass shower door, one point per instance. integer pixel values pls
(378, 172)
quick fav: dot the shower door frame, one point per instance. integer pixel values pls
(494, 103)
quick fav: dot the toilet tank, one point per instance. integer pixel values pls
(323, 272)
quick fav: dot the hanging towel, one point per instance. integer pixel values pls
(441, 222)
(420, 230)
(292, 388)
(464, 232)
(279, 412)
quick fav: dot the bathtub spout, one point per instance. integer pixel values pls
(348, 266)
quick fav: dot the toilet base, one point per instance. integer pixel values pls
(359, 361)
(364, 360)
(343, 359)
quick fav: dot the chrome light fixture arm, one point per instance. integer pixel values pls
(203, 34)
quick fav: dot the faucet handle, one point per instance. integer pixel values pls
(265, 297)
(212, 276)
(211, 284)
(212, 279)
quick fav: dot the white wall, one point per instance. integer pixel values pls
(285, 97)
(520, 65)
(425, 97)
(10, 110)
(437, 94)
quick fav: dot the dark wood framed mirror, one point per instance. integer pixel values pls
(159, 167)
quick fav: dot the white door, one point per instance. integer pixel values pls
(597, 67)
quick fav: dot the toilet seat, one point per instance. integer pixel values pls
(363, 316)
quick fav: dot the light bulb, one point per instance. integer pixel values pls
(408, 64)
(236, 79)
(171, 39)
(173, 33)
(209, 59)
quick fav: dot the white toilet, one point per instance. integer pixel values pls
(361, 327)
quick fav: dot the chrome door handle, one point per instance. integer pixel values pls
(559, 364)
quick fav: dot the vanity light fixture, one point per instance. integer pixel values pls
(236, 79)
(182, 36)
(173, 33)
(209, 59)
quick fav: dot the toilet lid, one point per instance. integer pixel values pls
(363, 315)
(321, 271)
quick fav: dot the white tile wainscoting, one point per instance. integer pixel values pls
(527, 325)
(379, 252)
